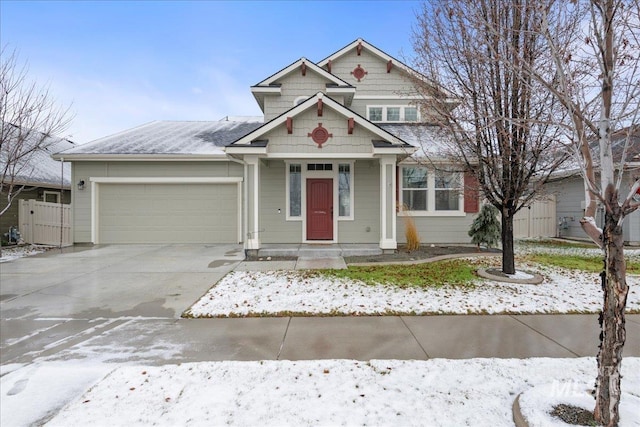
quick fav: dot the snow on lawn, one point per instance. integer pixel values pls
(9, 253)
(243, 293)
(438, 392)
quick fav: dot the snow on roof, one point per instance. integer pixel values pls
(40, 167)
(172, 137)
(431, 140)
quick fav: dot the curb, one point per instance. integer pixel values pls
(425, 260)
(518, 419)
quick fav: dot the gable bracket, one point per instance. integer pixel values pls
(359, 48)
(389, 66)
(329, 66)
(304, 69)
(320, 105)
(351, 123)
(289, 125)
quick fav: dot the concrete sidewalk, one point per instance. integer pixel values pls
(158, 341)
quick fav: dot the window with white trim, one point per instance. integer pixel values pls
(344, 190)
(295, 190)
(51, 197)
(425, 190)
(392, 113)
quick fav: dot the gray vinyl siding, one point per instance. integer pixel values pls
(569, 209)
(336, 124)
(377, 81)
(81, 199)
(443, 229)
(365, 227)
(294, 85)
(273, 224)
(569, 201)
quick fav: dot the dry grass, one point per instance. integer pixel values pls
(411, 233)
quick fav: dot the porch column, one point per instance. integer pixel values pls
(388, 240)
(252, 190)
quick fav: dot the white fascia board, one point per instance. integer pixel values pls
(277, 90)
(245, 150)
(327, 156)
(141, 157)
(165, 180)
(340, 90)
(312, 66)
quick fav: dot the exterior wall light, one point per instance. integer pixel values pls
(81, 184)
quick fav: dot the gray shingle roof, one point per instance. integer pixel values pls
(172, 137)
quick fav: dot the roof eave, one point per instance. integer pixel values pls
(140, 157)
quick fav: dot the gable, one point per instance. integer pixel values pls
(291, 131)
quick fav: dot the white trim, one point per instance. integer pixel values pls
(239, 207)
(352, 192)
(165, 180)
(385, 242)
(310, 103)
(217, 157)
(287, 178)
(254, 231)
(58, 195)
(431, 196)
(95, 208)
(297, 64)
(402, 113)
(266, 89)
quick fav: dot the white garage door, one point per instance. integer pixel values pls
(168, 213)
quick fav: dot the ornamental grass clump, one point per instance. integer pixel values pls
(411, 233)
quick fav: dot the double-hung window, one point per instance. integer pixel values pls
(426, 191)
(295, 190)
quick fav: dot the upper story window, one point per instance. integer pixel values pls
(392, 113)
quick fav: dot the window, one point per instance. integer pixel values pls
(425, 190)
(414, 188)
(447, 191)
(295, 190)
(393, 114)
(375, 114)
(51, 197)
(319, 167)
(397, 114)
(410, 114)
(344, 190)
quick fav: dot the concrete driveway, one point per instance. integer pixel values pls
(113, 281)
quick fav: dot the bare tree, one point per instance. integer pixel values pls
(592, 51)
(29, 118)
(501, 123)
(598, 83)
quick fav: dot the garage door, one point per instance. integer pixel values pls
(168, 213)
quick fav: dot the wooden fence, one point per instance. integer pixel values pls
(537, 220)
(45, 223)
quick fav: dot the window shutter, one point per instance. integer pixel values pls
(471, 193)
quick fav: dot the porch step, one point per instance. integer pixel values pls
(318, 251)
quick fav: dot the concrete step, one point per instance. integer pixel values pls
(318, 251)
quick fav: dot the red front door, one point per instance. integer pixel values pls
(319, 209)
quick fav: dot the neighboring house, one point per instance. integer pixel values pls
(329, 163)
(568, 186)
(40, 178)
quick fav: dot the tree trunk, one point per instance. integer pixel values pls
(508, 258)
(612, 322)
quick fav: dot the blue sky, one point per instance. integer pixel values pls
(122, 63)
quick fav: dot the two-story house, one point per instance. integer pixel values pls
(335, 160)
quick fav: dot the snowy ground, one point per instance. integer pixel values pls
(242, 293)
(438, 392)
(10, 253)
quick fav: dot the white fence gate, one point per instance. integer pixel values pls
(45, 223)
(538, 220)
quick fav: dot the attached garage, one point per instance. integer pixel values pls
(204, 210)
